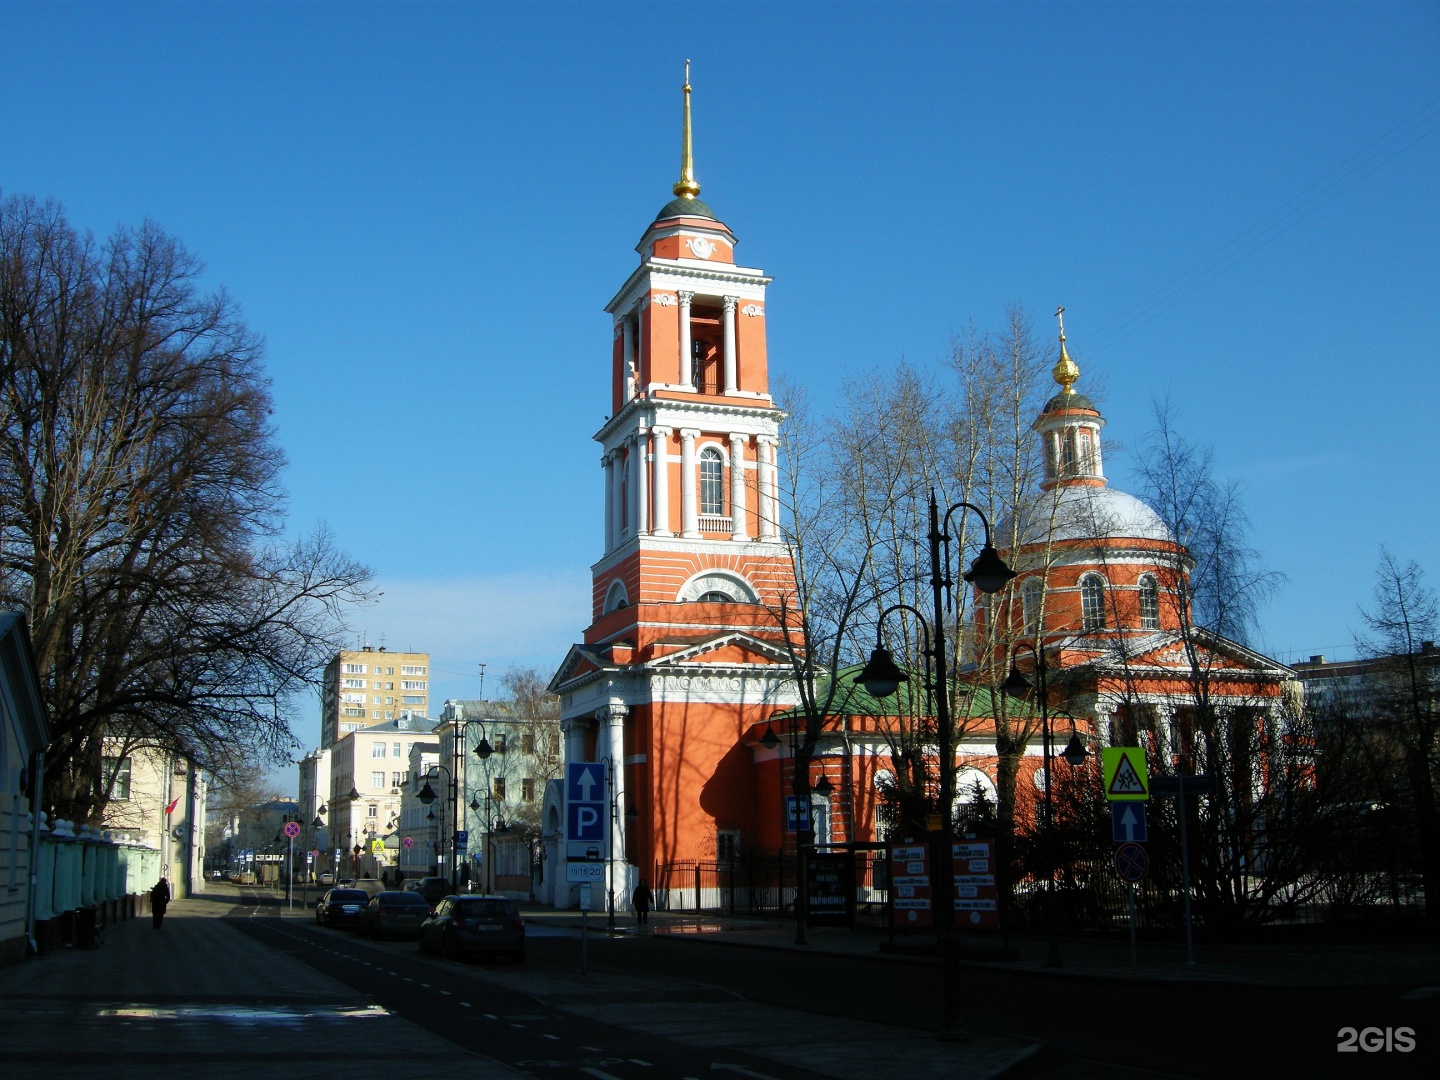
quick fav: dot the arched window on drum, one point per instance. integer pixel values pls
(1092, 602)
(1149, 602)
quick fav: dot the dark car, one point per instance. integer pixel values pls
(341, 907)
(393, 914)
(474, 926)
(433, 889)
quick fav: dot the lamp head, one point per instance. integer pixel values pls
(769, 740)
(317, 823)
(880, 676)
(1074, 752)
(426, 795)
(989, 573)
(353, 794)
(823, 787)
(474, 803)
(1015, 684)
(483, 749)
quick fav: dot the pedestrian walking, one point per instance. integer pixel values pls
(641, 900)
(159, 900)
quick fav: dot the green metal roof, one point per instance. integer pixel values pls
(683, 207)
(852, 700)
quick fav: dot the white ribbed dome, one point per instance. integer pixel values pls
(1080, 512)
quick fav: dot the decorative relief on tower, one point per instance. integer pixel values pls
(753, 310)
(665, 300)
(702, 248)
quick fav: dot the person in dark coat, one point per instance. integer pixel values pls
(159, 900)
(642, 899)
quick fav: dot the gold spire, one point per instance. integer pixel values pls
(1065, 371)
(686, 186)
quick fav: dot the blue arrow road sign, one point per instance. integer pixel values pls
(585, 801)
(1127, 823)
(585, 782)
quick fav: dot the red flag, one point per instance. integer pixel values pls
(173, 803)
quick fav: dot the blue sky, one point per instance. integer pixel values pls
(424, 208)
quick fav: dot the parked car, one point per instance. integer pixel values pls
(474, 926)
(340, 907)
(433, 889)
(393, 914)
(327, 878)
(370, 886)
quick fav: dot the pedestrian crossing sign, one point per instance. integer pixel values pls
(1124, 771)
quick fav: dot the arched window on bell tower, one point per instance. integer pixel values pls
(712, 482)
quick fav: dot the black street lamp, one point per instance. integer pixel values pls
(1017, 685)
(881, 678)
(427, 796)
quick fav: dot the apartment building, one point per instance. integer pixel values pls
(365, 686)
(368, 770)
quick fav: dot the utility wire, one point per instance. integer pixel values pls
(1418, 125)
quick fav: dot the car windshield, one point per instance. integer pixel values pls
(484, 907)
(348, 896)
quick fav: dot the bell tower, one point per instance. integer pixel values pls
(685, 651)
(689, 451)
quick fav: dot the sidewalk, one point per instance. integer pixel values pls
(1413, 964)
(198, 997)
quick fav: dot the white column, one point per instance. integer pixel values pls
(642, 482)
(574, 729)
(660, 442)
(687, 377)
(730, 384)
(635, 464)
(737, 487)
(620, 493)
(612, 717)
(689, 481)
(608, 462)
(627, 329)
(769, 503)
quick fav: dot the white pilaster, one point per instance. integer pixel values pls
(660, 443)
(769, 497)
(612, 717)
(690, 484)
(687, 374)
(730, 384)
(642, 482)
(737, 483)
(607, 460)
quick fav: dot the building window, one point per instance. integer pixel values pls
(412, 669)
(527, 743)
(377, 779)
(712, 481)
(116, 776)
(1032, 593)
(1149, 603)
(500, 788)
(1092, 601)
(354, 712)
(353, 684)
(396, 779)
(412, 684)
(395, 750)
(527, 789)
(414, 699)
(727, 845)
(354, 669)
(379, 670)
(377, 749)
(389, 671)
(372, 810)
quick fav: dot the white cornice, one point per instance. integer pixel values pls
(681, 545)
(748, 283)
(647, 412)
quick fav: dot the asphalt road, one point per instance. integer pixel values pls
(528, 1016)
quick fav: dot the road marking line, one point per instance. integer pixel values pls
(592, 1049)
(491, 1016)
(641, 1061)
(446, 993)
(600, 1074)
(554, 1038)
(466, 1005)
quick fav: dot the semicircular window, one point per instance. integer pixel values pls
(714, 587)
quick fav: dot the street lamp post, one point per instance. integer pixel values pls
(1016, 683)
(881, 678)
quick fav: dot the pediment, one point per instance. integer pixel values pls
(733, 649)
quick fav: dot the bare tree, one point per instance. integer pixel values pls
(140, 507)
(537, 715)
(1402, 697)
